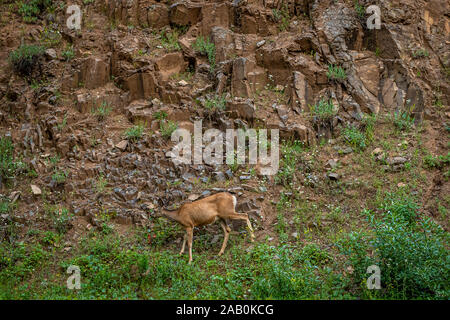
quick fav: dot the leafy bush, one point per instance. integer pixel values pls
(438, 162)
(421, 53)
(167, 127)
(336, 73)
(60, 217)
(32, 9)
(160, 115)
(205, 47)
(7, 165)
(68, 54)
(354, 137)
(323, 110)
(216, 103)
(290, 153)
(25, 58)
(403, 120)
(282, 278)
(169, 40)
(360, 9)
(135, 132)
(410, 252)
(102, 111)
(59, 176)
(282, 17)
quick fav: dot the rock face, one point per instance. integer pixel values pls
(232, 64)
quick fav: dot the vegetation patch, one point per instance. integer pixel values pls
(26, 58)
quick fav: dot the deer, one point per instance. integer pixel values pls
(218, 207)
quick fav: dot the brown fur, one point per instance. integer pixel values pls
(205, 211)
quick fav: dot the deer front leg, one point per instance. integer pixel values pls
(226, 231)
(184, 243)
(190, 234)
(249, 225)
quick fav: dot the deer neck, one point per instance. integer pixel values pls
(172, 215)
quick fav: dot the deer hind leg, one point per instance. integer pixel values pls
(184, 243)
(237, 216)
(226, 231)
(190, 233)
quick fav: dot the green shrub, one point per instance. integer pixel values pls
(32, 9)
(409, 250)
(7, 165)
(438, 162)
(282, 17)
(282, 279)
(135, 132)
(59, 176)
(354, 137)
(160, 115)
(421, 53)
(403, 120)
(167, 127)
(360, 9)
(68, 54)
(169, 40)
(102, 111)
(336, 73)
(25, 58)
(323, 110)
(60, 217)
(290, 154)
(216, 103)
(205, 47)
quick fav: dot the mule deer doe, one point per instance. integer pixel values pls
(220, 206)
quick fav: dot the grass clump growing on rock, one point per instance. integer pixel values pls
(134, 133)
(167, 127)
(30, 10)
(102, 111)
(169, 40)
(25, 58)
(7, 164)
(355, 137)
(216, 103)
(336, 72)
(323, 110)
(206, 47)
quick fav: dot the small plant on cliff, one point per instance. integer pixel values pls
(323, 110)
(7, 164)
(403, 120)
(135, 132)
(206, 47)
(282, 17)
(68, 54)
(160, 115)
(25, 58)
(102, 111)
(354, 137)
(31, 9)
(336, 73)
(360, 9)
(167, 127)
(216, 103)
(421, 53)
(169, 40)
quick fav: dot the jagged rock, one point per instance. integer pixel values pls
(36, 190)
(243, 108)
(94, 73)
(158, 16)
(170, 64)
(122, 145)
